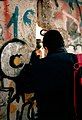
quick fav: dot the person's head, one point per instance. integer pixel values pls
(53, 40)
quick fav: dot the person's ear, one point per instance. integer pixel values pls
(45, 51)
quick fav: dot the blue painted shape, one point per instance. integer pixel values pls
(26, 19)
(74, 1)
(79, 2)
(14, 21)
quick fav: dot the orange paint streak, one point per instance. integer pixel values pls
(6, 19)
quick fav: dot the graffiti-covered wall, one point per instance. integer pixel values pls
(18, 19)
(64, 15)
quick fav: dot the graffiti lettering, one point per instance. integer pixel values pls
(14, 21)
(26, 15)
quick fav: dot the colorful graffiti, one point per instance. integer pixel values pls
(14, 20)
(25, 17)
(62, 15)
(15, 17)
(6, 14)
(18, 20)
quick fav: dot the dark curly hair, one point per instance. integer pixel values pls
(53, 40)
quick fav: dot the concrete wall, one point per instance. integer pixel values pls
(18, 20)
(64, 15)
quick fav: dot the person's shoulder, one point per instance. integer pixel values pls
(69, 57)
(63, 56)
(60, 55)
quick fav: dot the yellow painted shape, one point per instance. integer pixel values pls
(17, 61)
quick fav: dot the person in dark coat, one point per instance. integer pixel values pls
(51, 79)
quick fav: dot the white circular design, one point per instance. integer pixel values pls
(10, 49)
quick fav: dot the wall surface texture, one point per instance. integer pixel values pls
(18, 19)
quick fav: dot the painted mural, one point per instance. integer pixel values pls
(64, 15)
(20, 19)
(17, 20)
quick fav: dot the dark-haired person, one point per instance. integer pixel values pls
(53, 79)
